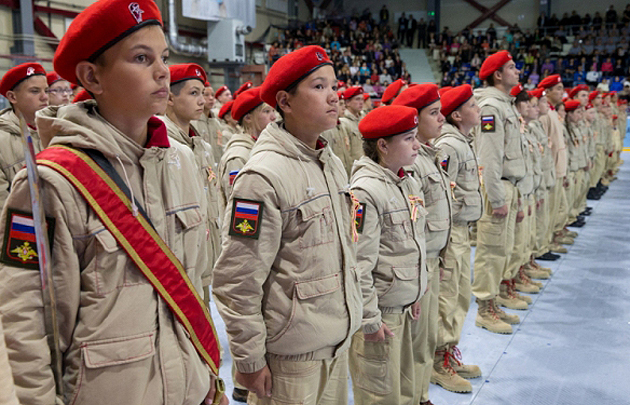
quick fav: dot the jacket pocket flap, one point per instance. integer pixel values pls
(472, 200)
(435, 177)
(315, 288)
(189, 217)
(438, 224)
(312, 208)
(406, 273)
(398, 217)
(470, 165)
(107, 240)
(113, 352)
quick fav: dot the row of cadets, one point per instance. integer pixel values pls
(429, 169)
(353, 100)
(337, 137)
(186, 104)
(119, 339)
(208, 125)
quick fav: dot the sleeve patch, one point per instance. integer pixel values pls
(360, 219)
(20, 245)
(233, 174)
(487, 123)
(246, 218)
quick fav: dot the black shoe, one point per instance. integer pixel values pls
(588, 209)
(240, 395)
(577, 224)
(548, 257)
(593, 194)
(585, 213)
(580, 218)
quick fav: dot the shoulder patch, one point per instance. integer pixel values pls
(20, 246)
(246, 218)
(487, 123)
(360, 219)
(233, 174)
(444, 163)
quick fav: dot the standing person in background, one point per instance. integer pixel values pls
(499, 147)
(462, 113)
(286, 282)
(411, 30)
(59, 90)
(429, 171)
(402, 28)
(422, 34)
(353, 97)
(384, 15)
(390, 259)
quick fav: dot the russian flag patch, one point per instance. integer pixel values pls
(487, 123)
(360, 217)
(246, 218)
(20, 244)
(233, 174)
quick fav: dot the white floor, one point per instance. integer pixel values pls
(573, 344)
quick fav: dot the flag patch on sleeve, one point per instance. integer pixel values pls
(487, 123)
(246, 218)
(360, 218)
(20, 245)
(233, 174)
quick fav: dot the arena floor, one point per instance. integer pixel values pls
(573, 344)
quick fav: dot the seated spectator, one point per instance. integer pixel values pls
(548, 66)
(576, 48)
(607, 67)
(619, 70)
(593, 76)
(610, 47)
(535, 78)
(367, 87)
(588, 47)
(617, 84)
(529, 85)
(579, 77)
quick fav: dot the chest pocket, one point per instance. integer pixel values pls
(397, 226)
(434, 189)
(183, 235)
(315, 220)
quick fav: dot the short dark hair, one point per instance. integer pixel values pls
(177, 87)
(490, 79)
(370, 147)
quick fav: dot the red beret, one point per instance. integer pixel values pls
(366, 96)
(574, 91)
(246, 102)
(82, 96)
(53, 77)
(418, 96)
(352, 91)
(413, 84)
(392, 90)
(220, 90)
(493, 63)
(589, 106)
(455, 98)
(187, 71)
(99, 27)
(387, 121)
(516, 90)
(227, 107)
(550, 81)
(19, 73)
(340, 95)
(593, 95)
(245, 86)
(604, 94)
(340, 84)
(291, 69)
(538, 93)
(571, 105)
(206, 83)
(444, 90)
(614, 116)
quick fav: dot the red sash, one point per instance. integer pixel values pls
(141, 242)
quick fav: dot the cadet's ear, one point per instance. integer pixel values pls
(87, 74)
(456, 115)
(282, 98)
(247, 118)
(170, 101)
(11, 97)
(381, 145)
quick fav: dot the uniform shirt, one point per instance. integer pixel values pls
(427, 169)
(526, 185)
(236, 154)
(535, 154)
(547, 164)
(462, 168)
(570, 136)
(291, 289)
(119, 340)
(500, 143)
(350, 123)
(209, 129)
(12, 150)
(339, 141)
(391, 256)
(553, 128)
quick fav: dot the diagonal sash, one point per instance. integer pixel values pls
(141, 242)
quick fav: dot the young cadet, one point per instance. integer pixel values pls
(572, 137)
(500, 149)
(127, 270)
(244, 87)
(353, 98)
(59, 90)
(25, 87)
(428, 169)
(185, 104)
(462, 115)
(223, 96)
(393, 90)
(286, 283)
(230, 125)
(390, 259)
(553, 128)
(208, 126)
(253, 115)
(367, 104)
(590, 118)
(543, 215)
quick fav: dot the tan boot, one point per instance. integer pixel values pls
(508, 299)
(533, 264)
(510, 319)
(570, 234)
(564, 240)
(524, 284)
(556, 248)
(536, 273)
(463, 370)
(488, 318)
(444, 375)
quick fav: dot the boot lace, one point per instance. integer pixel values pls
(456, 355)
(446, 365)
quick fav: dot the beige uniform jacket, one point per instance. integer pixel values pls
(391, 257)
(570, 138)
(294, 291)
(339, 141)
(581, 138)
(527, 183)
(236, 154)
(7, 389)
(120, 343)
(536, 151)
(553, 128)
(548, 166)
(592, 145)
(11, 150)
(209, 129)
(500, 149)
(462, 168)
(427, 170)
(206, 169)
(350, 124)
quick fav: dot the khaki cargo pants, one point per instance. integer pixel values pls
(495, 241)
(560, 208)
(598, 165)
(541, 244)
(315, 382)
(522, 236)
(383, 372)
(455, 288)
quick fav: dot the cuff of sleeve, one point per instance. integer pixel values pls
(248, 368)
(372, 327)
